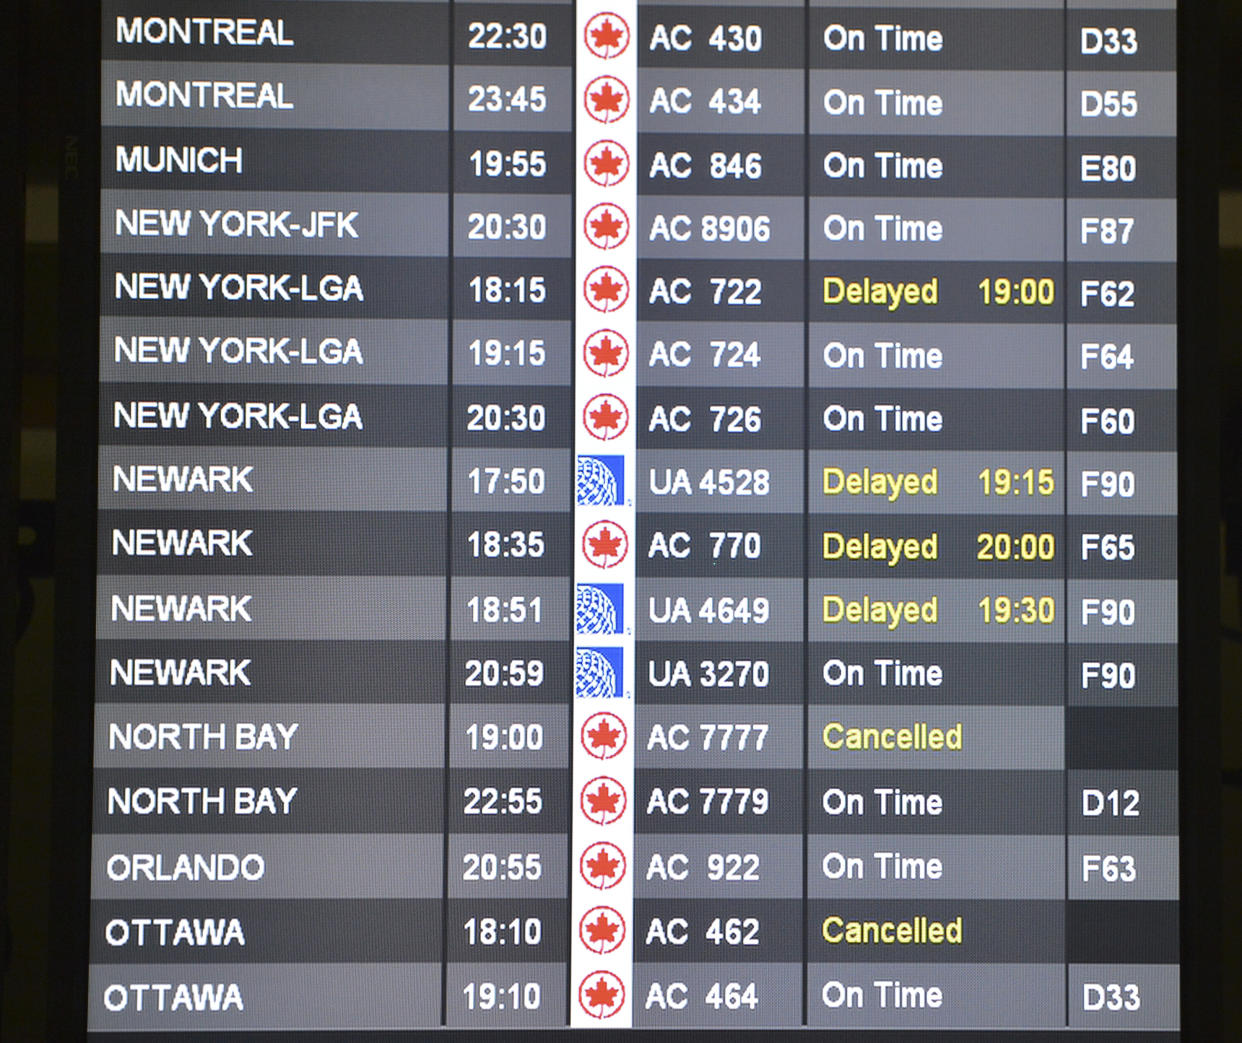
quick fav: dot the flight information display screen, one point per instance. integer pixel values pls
(655, 515)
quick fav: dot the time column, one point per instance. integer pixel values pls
(510, 536)
(272, 495)
(721, 338)
(1121, 739)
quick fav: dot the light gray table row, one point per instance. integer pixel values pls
(354, 224)
(319, 735)
(858, 228)
(902, 482)
(263, 478)
(411, 608)
(721, 866)
(669, 354)
(393, 996)
(330, 608)
(319, 996)
(948, 610)
(907, 866)
(327, 865)
(416, 224)
(905, 354)
(902, 996)
(353, 97)
(907, 102)
(364, 97)
(334, 351)
(221, 735)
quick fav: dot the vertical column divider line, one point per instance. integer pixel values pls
(1065, 431)
(570, 563)
(806, 484)
(448, 533)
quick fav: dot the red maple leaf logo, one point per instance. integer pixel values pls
(605, 417)
(606, 100)
(606, 36)
(605, 545)
(606, 353)
(606, 226)
(604, 735)
(603, 865)
(601, 994)
(607, 163)
(603, 801)
(606, 289)
(601, 929)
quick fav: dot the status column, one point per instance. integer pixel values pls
(936, 549)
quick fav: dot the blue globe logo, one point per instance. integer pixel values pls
(593, 676)
(597, 485)
(594, 612)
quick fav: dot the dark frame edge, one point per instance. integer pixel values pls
(76, 477)
(12, 247)
(1199, 520)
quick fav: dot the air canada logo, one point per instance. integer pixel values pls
(607, 99)
(605, 544)
(606, 416)
(603, 735)
(606, 226)
(606, 288)
(601, 994)
(602, 929)
(602, 865)
(607, 35)
(607, 163)
(606, 353)
(603, 800)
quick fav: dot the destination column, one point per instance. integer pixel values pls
(936, 668)
(269, 734)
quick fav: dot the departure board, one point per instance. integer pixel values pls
(636, 515)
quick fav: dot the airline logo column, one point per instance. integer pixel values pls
(603, 751)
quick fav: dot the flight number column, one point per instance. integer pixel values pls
(272, 497)
(1121, 428)
(935, 860)
(719, 699)
(510, 536)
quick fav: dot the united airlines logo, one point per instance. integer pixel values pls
(598, 608)
(601, 481)
(597, 673)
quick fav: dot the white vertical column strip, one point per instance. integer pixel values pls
(602, 863)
